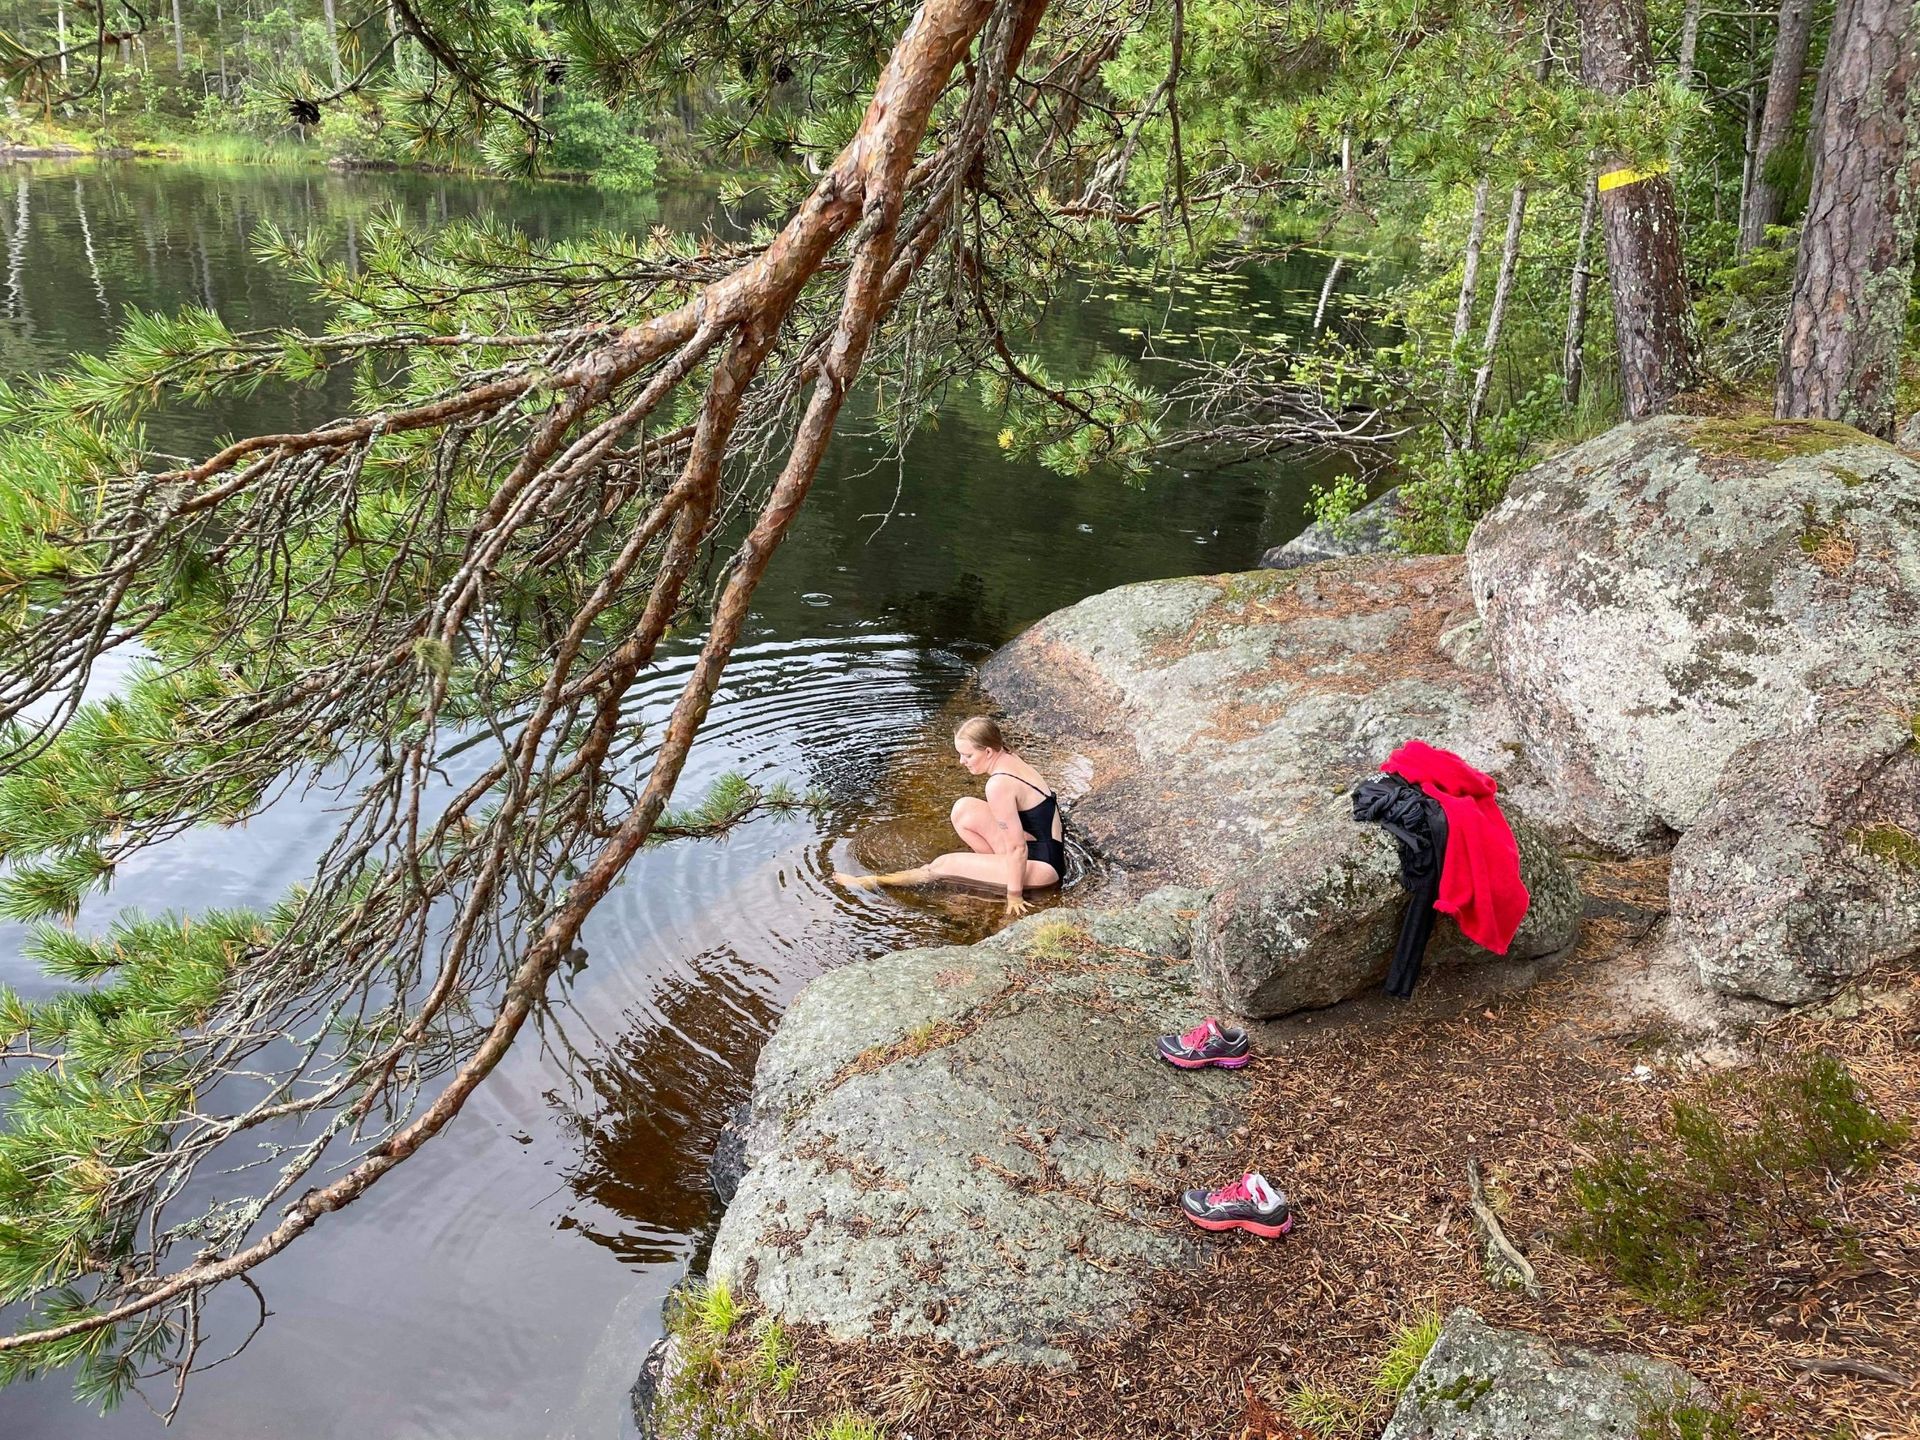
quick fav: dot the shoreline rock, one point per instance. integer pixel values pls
(1368, 531)
(975, 1145)
(1220, 712)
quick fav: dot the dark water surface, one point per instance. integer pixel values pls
(506, 1282)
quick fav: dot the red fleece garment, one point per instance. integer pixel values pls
(1480, 874)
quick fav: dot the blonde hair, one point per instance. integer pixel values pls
(982, 733)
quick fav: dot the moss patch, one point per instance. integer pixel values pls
(1828, 543)
(1888, 841)
(1773, 440)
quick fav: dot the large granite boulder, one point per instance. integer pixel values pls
(976, 1145)
(1314, 921)
(1659, 598)
(1368, 531)
(1220, 712)
(1483, 1383)
(1804, 868)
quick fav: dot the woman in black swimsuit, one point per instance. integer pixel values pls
(1013, 838)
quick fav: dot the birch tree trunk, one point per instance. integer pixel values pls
(1469, 283)
(333, 44)
(1497, 315)
(1840, 354)
(1574, 353)
(1653, 325)
(1763, 199)
(179, 41)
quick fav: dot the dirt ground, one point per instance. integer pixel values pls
(1366, 1118)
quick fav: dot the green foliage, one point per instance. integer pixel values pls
(846, 1426)
(712, 1311)
(1682, 1215)
(1109, 418)
(1406, 1353)
(1333, 505)
(1322, 1412)
(1449, 492)
(588, 137)
(1682, 1417)
(1743, 308)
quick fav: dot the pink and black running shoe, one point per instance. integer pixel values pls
(1208, 1043)
(1249, 1204)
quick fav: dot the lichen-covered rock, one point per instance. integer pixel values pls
(1909, 436)
(976, 1145)
(1368, 531)
(1482, 1383)
(1220, 712)
(1314, 920)
(1663, 595)
(1804, 869)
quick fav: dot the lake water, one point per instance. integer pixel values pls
(506, 1282)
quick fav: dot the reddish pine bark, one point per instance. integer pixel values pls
(1841, 349)
(1653, 323)
(1763, 198)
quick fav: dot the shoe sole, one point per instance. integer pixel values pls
(1252, 1227)
(1231, 1062)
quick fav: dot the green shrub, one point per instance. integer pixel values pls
(589, 139)
(1683, 1215)
(1448, 493)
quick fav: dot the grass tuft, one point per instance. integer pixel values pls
(1322, 1412)
(1408, 1351)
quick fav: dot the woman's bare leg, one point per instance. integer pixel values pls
(973, 822)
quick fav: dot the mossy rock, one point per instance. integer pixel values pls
(1483, 1383)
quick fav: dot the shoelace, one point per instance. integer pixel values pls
(1236, 1191)
(1198, 1035)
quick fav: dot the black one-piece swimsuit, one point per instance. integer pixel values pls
(1042, 845)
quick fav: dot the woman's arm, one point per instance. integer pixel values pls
(1010, 840)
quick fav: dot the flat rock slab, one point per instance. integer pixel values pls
(1483, 1383)
(976, 1145)
(1671, 592)
(1220, 712)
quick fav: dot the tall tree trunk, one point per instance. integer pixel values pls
(220, 44)
(179, 42)
(1653, 327)
(1684, 67)
(333, 44)
(1817, 112)
(1776, 121)
(1848, 312)
(1497, 314)
(1573, 357)
(61, 17)
(1463, 310)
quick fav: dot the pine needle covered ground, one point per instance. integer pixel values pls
(1788, 1282)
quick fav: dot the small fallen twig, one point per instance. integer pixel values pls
(1842, 1365)
(1501, 1252)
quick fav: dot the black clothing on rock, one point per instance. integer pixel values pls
(1419, 829)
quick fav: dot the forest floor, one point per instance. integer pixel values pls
(1368, 1124)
